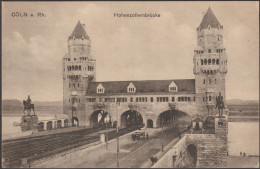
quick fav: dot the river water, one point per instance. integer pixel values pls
(242, 136)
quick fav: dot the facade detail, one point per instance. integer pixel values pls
(150, 102)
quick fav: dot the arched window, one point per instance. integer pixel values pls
(201, 62)
(76, 67)
(213, 61)
(205, 61)
(217, 62)
(207, 71)
(211, 71)
(73, 67)
(209, 61)
(79, 67)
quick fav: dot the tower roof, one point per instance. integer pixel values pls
(209, 19)
(79, 32)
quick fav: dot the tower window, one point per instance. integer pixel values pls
(201, 62)
(173, 99)
(209, 50)
(205, 61)
(151, 99)
(209, 61)
(209, 98)
(217, 62)
(213, 61)
(131, 99)
(204, 81)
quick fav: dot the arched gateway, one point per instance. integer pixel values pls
(131, 118)
(99, 117)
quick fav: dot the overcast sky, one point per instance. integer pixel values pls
(125, 48)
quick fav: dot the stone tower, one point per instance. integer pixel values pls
(79, 68)
(210, 63)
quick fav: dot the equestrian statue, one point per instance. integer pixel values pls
(220, 104)
(28, 106)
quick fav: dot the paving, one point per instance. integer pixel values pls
(132, 154)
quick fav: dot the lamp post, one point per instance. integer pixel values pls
(162, 132)
(106, 120)
(117, 139)
(73, 104)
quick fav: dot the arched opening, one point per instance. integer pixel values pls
(76, 67)
(40, 126)
(73, 67)
(209, 61)
(75, 121)
(217, 62)
(201, 62)
(205, 61)
(66, 123)
(213, 61)
(131, 118)
(209, 122)
(192, 152)
(49, 125)
(59, 124)
(98, 119)
(167, 117)
(149, 123)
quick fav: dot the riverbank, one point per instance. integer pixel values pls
(242, 162)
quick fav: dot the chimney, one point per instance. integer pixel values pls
(83, 25)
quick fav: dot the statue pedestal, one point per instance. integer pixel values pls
(29, 122)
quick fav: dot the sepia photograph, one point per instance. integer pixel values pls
(130, 84)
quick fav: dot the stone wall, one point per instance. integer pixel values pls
(148, 110)
(211, 149)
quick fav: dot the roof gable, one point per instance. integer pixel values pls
(131, 88)
(100, 88)
(173, 87)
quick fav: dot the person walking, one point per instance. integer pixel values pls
(240, 153)
(147, 136)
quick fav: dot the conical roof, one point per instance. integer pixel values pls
(79, 32)
(209, 19)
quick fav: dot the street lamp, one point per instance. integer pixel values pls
(117, 139)
(106, 120)
(162, 130)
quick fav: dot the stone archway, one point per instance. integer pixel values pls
(74, 121)
(97, 118)
(131, 118)
(192, 151)
(149, 123)
(166, 117)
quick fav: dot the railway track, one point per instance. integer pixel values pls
(37, 147)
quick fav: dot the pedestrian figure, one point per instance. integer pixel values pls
(147, 136)
(179, 135)
(155, 159)
(240, 153)
(152, 159)
(244, 154)
(134, 137)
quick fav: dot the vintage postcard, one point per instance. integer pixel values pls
(130, 84)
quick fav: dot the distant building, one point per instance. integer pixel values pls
(148, 102)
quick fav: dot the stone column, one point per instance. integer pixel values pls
(62, 122)
(45, 125)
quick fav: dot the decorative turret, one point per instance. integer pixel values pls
(210, 60)
(79, 68)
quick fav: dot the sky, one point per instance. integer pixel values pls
(125, 48)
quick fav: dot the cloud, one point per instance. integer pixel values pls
(31, 66)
